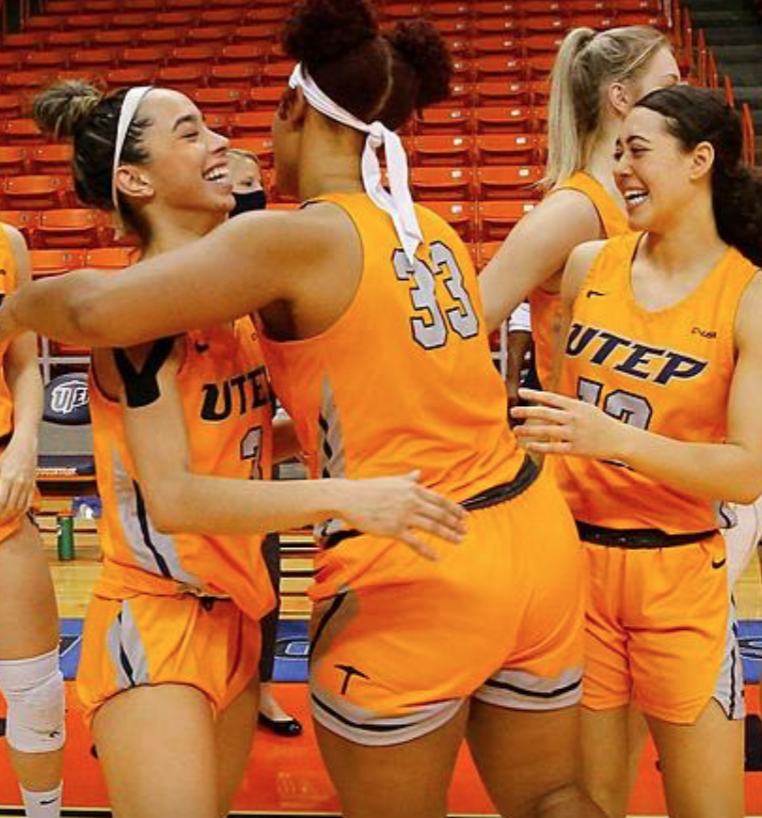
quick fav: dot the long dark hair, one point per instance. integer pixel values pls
(694, 115)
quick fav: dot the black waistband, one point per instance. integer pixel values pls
(638, 537)
(5, 440)
(493, 496)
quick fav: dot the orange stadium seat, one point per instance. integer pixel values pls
(164, 38)
(218, 100)
(544, 25)
(502, 93)
(277, 73)
(192, 54)
(455, 120)
(540, 92)
(594, 20)
(75, 227)
(184, 5)
(542, 44)
(443, 10)
(16, 81)
(71, 39)
(241, 53)
(53, 160)
(20, 131)
(238, 74)
(35, 192)
(499, 119)
(511, 182)
(505, 149)
(150, 57)
(127, 77)
(63, 7)
(23, 220)
(142, 5)
(251, 123)
(207, 35)
(441, 183)
(94, 59)
(265, 14)
(459, 215)
(89, 22)
(460, 96)
(229, 4)
(265, 98)
(496, 219)
(44, 22)
(55, 262)
(495, 25)
(13, 159)
(21, 41)
(250, 34)
(11, 60)
(442, 151)
(458, 45)
(113, 38)
(179, 20)
(220, 17)
(132, 20)
(50, 59)
(104, 6)
(498, 69)
(182, 77)
(10, 106)
(218, 123)
(539, 67)
(111, 258)
(500, 44)
(261, 147)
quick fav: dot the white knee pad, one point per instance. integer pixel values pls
(34, 691)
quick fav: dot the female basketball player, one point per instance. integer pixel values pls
(375, 338)
(597, 76)
(664, 335)
(30, 679)
(168, 673)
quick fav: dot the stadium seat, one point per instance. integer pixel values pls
(277, 73)
(10, 106)
(459, 215)
(182, 77)
(21, 41)
(498, 119)
(218, 123)
(113, 38)
(511, 182)
(87, 22)
(71, 39)
(539, 67)
(127, 77)
(207, 35)
(36, 192)
(498, 69)
(496, 219)
(532, 25)
(53, 160)
(51, 59)
(185, 5)
(11, 60)
(179, 20)
(441, 183)
(239, 74)
(497, 44)
(132, 20)
(20, 132)
(502, 93)
(142, 5)
(445, 10)
(55, 262)
(505, 149)
(538, 44)
(442, 151)
(220, 17)
(265, 98)
(433, 121)
(149, 57)
(111, 258)
(250, 34)
(242, 53)
(460, 96)
(499, 24)
(251, 123)
(13, 160)
(23, 220)
(25, 81)
(186, 55)
(94, 59)
(76, 227)
(39, 23)
(218, 100)
(162, 38)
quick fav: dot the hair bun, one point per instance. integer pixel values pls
(318, 31)
(421, 46)
(61, 109)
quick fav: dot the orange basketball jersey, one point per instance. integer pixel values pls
(546, 306)
(404, 379)
(8, 278)
(227, 404)
(668, 371)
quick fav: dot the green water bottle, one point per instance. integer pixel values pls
(65, 522)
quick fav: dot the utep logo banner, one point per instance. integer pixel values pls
(67, 401)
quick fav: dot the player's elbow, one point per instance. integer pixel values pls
(164, 504)
(748, 487)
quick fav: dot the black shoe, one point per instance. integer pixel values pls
(287, 728)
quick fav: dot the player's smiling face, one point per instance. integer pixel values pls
(187, 168)
(653, 172)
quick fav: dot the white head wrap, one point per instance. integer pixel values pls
(130, 105)
(399, 203)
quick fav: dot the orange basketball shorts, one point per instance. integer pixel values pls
(151, 640)
(399, 647)
(660, 632)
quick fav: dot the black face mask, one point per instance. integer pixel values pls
(244, 202)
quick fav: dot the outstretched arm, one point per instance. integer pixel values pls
(179, 499)
(246, 263)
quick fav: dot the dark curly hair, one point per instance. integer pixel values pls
(372, 75)
(694, 115)
(77, 111)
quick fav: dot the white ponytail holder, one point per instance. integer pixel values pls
(398, 203)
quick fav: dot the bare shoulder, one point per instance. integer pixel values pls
(748, 329)
(581, 259)
(569, 210)
(16, 241)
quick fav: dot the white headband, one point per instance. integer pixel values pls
(399, 203)
(130, 105)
